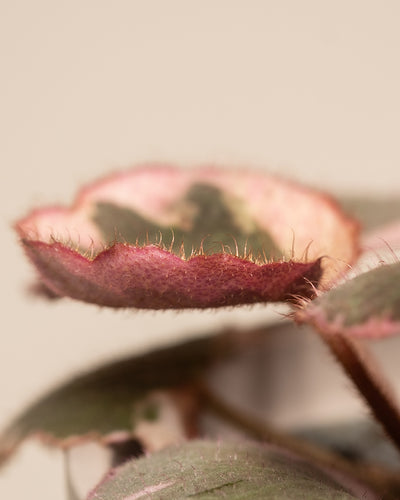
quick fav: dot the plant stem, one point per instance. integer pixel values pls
(362, 368)
(379, 479)
(71, 492)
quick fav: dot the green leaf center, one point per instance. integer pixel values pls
(210, 221)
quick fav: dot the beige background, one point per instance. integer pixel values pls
(306, 88)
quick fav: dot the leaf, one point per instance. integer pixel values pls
(208, 470)
(372, 212)
(366, 306)
(379, 218)
(149, 397)
(385, 237)
(162, 237)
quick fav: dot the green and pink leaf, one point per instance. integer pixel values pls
(366, 306)
(151, 398)
(160, 237)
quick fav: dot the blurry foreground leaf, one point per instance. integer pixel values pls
(208, 470)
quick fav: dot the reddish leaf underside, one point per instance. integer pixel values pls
(189, 239)
(366, 306)
(150, 277)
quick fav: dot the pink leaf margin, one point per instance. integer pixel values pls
(374, 328)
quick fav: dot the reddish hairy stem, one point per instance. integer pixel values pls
(361, 367)
(383, 482)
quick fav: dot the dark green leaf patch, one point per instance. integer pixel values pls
(214, 223)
